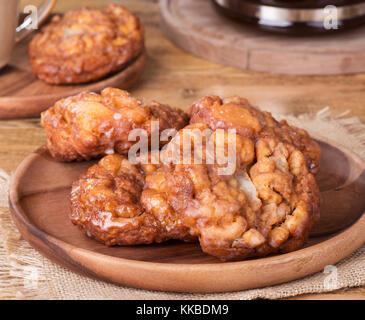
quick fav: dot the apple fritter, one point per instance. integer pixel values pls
(91, 125)
(86, 45)
(113, 203)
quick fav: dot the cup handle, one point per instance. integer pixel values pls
(43, 12)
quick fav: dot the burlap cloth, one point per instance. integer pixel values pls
(25, 274)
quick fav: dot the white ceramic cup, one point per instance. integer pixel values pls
(9, 32)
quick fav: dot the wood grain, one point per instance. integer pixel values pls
(39, 202)
(178, 78)
(197, 27)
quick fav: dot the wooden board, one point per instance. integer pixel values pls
(39, 202)
(197, 27)
(23, 95)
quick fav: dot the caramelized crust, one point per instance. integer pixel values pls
(90, 125)
(86, 45)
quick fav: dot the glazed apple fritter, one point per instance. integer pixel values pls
(266, 204)
(91, 125)
(86, 45)
(111, 202)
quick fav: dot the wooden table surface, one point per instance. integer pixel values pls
(178, 78)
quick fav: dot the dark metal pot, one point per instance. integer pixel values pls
(298, 17)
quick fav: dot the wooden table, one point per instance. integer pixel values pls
(178, 78)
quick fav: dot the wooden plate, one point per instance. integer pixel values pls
(197, 27)
(23, 95)
(39, 204)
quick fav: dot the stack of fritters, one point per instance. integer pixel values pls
(266, 202)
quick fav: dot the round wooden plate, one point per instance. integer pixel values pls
(39, 202)
(23, 95)
(197, 27)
